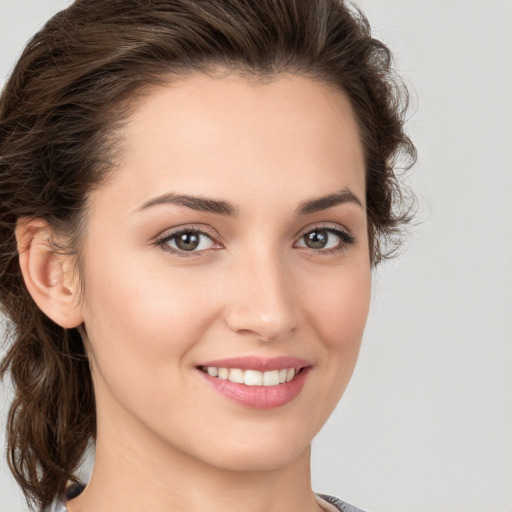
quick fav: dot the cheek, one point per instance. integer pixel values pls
(338, 309)
(135, 313)
(335, 314)
(143, 327)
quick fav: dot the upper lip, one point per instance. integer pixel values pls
(261, 364)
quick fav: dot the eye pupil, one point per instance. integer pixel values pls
(187, 241)
(316, 239)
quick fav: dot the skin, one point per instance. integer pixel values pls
(254, 288)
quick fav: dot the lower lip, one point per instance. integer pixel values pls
(259, 397)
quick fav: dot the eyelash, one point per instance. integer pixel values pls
(163, 241)
(346, 240)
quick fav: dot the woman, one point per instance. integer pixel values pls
(192, 197)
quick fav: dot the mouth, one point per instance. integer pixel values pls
(250, 377)
(257, 383)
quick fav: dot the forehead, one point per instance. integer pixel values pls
(206, 134)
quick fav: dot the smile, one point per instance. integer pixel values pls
(252, 377)
(254, 382)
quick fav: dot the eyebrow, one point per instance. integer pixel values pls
(201, 204)
(210, 205)
(323, 203)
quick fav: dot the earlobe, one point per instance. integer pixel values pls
(48, 274)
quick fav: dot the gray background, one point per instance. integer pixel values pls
(426, 423)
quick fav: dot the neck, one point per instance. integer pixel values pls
(150, 475)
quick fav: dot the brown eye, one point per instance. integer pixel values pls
(187, 241)
(325, 239)
(317, 239)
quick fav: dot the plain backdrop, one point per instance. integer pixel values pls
(426, 423)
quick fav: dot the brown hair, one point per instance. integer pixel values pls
(68, 92)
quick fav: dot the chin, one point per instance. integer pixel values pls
(254, 454)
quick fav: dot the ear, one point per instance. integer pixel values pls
(48, 275)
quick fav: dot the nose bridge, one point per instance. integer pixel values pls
(262, 296)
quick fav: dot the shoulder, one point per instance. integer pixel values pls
(340, 505)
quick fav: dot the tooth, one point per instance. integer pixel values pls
(282, 376)
(223, 373)
(271, 378)
(253, 378)
(290, 373)
(236, 375)
(213, 371)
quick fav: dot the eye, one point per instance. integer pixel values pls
(186, 241)
(325, 239)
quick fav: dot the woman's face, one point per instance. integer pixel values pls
(230, 247)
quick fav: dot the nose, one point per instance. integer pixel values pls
(261, 301)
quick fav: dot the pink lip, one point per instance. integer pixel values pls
(259, 397)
